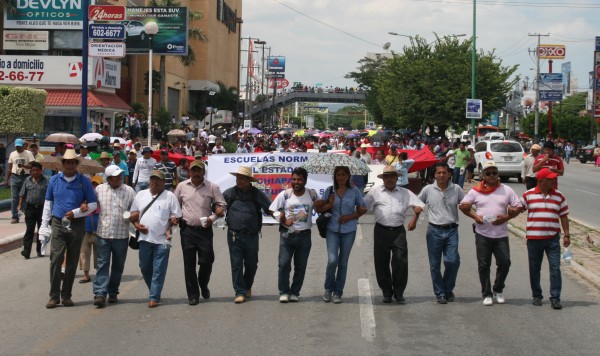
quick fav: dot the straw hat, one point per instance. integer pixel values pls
(70, 154)
(388, 170)
(104, 155)
(245, 172)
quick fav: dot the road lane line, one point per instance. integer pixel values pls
(586, 192)
(367, 316)
(359, 235)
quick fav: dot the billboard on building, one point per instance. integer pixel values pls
(566, 72)
(276, 64)
(172, 36)
(25, 40)
(57, 15)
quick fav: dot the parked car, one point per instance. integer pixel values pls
(134, 29)
(507, 154)
(585, 154)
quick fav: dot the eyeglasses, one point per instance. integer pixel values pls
(491, 173)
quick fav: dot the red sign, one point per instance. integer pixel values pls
(281, 83)
(106, 13)
(551, 51)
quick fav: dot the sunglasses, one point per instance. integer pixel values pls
(491, 173)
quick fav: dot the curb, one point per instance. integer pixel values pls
(576, 267)
(11, 242)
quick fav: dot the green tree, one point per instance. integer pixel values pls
(366, 76)
(225, 98)
(194, 33)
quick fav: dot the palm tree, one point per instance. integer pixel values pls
(194, 33)
(8, 5)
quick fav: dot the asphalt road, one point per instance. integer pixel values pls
(581, 186)
(361, 325)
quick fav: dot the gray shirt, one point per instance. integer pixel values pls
(241, 212)
(442, 205)
(34, 193)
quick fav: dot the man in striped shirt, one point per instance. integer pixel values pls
(547, 212)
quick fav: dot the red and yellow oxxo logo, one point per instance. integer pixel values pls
(551, 51)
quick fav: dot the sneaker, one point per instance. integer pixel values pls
(67, 302)
(99, 301)
(293, 298)
(488, 301)
(337, 299)
(112, 299)
(499, 297)
(442, 300)
(537, 302)
(52, 303)
(450, 297)
(327, 296)
(555, 304)
(284, 298)
(239, 299)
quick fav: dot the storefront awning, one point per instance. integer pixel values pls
(95, 100)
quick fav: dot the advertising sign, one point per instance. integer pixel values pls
(276, 64)
(106, 49)
(104, 73)
(25, 40)
(474, 109)
(551, 86)
(172, 36)
(106, 31)
(281, 83)
(597, 43)
(551, 51)
(106, 13)
(40, 70)
(57, 15)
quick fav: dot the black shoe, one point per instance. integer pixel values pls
(112, 299)
(99, 301)
(537, 302)
(206, 293)
(555, 304)
(387, 299)
(25, 254)
(400, 300)
(450, 297)
(442, 300)
(193, 301)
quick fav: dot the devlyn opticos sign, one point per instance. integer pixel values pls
(46, 14)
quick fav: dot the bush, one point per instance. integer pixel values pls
(23, 110)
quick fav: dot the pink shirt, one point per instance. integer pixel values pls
(493, 204)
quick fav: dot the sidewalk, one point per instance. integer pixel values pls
(11, 235)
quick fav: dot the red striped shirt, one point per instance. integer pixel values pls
(543, 213)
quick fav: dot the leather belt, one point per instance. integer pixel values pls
(198, 227)
(389, 227)
(445, 227)
(299, 232)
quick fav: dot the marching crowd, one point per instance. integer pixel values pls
(153, 198)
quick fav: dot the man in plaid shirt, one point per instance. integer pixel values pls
(114, 198)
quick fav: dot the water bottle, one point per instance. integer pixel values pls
(219, 223)
(567, 256)
(66, 223)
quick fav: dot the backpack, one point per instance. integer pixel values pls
(254, 198)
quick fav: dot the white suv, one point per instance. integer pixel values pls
(507, 154)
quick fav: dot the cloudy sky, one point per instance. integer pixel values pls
(322, 40)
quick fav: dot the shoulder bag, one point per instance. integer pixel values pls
(323, 218)
(134, 243)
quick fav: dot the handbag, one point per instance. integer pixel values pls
(323, 218)
(134, 242)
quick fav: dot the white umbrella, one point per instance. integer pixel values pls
(91, 136)
(325, 163)
(120, 139)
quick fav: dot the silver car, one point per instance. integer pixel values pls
(507, 154)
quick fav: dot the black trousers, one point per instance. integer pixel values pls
(197, 246)
(391, 243)
(530, 182)
(33, 217)
(485, 248)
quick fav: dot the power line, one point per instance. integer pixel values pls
(518, 3)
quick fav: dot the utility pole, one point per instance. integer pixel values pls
(536, 134)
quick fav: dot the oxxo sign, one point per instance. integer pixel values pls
(551, 51)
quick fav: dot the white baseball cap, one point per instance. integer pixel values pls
(113, 171)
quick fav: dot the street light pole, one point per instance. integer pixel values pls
(474, 64)
(151, 29)
(262, 67)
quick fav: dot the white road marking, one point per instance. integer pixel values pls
(586, 192)
(367, 317)
(359, 236)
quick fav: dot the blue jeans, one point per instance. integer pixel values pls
(535, 251)
(106, 283)
(443, 242)
(295, 246)
(458, 178)
(141, 186)
(16, 182)
(154, 259)
(243, 254)
(339, 246)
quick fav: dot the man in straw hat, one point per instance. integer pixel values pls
(245, 204)
(63, 220)
(197, 196)
(389, 204)
(496, 203)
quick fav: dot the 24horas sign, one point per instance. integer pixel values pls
(45, 14)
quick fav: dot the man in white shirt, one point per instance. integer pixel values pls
(18, 169)
(364, 155)
(154, 224)
(389, 204)
(296, 207)
(143, 168)
(527, 173)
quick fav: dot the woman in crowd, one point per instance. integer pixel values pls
(183, 170)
